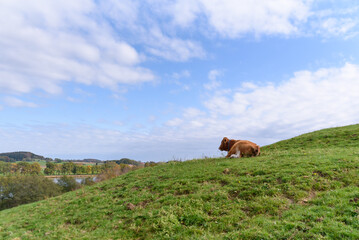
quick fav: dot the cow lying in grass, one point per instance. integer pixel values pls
(244, 147)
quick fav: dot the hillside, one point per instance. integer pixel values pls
(20, 156)
(302, 188)
(126, 161)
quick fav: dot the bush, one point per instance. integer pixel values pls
(17, 190)
(68, 184)
(111, 170)
(88, 181)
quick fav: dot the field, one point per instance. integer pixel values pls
(302, 188)
(41, 162)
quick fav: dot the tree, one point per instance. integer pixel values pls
(6, 159)
(88, 181)
(127, 161)
(75, 169)
(67, 167)
(88, 169)
(58, 168)
(5, 167)
(68, 183)
(23, 167)
(17, 190)
(14, 168)
(50, 168)
(96, 169)
(81, 169)
(35, 168)
(112, 169)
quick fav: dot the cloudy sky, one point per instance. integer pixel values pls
(157, 80)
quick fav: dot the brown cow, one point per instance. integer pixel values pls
(245, 147)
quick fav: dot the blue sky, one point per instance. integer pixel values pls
(158, 80)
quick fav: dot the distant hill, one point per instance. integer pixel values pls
(302, 188)
(126, 161)
(20, 156)
(29, 156)
(86, 160)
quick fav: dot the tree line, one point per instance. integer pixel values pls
(23, 168)
(34, 168)
(71, 168)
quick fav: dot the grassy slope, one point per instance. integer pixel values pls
(303, 188)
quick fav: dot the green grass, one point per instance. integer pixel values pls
(303, 188)
(41, 162)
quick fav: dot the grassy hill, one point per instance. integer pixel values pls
(302, 188)
(21, 156)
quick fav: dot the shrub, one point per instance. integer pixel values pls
(17, 190)
(88, 181)
(112, 170)
(68, 184)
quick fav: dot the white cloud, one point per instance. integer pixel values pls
(190, 113)
(124, 12)
(171, 48)
(15, 102)
(181, 85)
(308, 101)
(234, 18)
(44, 44)
(238, 18)
(338, 27)
(335, 20)
(184, 12)
(174, 122)
(213, 74)
(213, 83)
